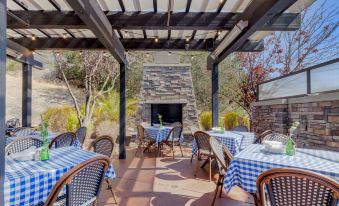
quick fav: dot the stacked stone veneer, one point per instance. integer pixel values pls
(167, 84)
(318, 115)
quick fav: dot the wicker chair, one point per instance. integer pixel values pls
(23, 131)
(104, 145)
(144, 140)
(276, 137)
(286, 186)
(11, 125)
(224, 158)
(173, 138)
(63, 140)
(204, 150)
(259, 139)
(240, 128)
(81, 134)
(83, 183)
(22, 144)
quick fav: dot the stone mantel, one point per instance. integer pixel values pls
(169, 101)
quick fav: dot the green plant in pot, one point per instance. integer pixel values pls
(160, 120)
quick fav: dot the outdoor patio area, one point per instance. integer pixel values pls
(169, 102)
(166, 181)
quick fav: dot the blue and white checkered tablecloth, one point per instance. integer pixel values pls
(30, 182)
(50, 137)
(252, 161)
(234, 141)
(157, 133)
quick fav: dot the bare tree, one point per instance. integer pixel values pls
(101, 72)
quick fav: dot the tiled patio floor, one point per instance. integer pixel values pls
(147, 180)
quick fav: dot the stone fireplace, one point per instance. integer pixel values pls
(167, 89)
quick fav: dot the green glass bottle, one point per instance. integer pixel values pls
(44, 154)
(290, 147)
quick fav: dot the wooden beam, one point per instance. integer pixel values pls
(130, 44)
(122, 6)
(3, 46)
(188, 5)
(122, 112)
(155, 6)
(148, 21)
(257, 14)
(27, 54)
(221, 5)
(27, 95)
(55, 4)
(70, 33)
(144, 33)
(92, 15)
(169, 11)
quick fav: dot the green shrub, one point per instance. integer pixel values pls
(61, 119)
(231, 120)
(244, 120)
(206, 120)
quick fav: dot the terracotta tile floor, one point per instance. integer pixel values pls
(143, 181)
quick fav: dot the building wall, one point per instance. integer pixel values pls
(318, 116)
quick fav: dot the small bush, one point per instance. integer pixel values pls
(61, 119)
(206, 120)
(231, 120)
(245, 121)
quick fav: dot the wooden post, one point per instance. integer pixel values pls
(122, 114)
(215, 88)
(26, 94)
(3, 45)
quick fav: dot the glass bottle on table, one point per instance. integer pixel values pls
(44, 154)
(290, 146)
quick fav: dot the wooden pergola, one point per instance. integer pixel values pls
(217, 26)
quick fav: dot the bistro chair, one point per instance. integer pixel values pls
(260, 137)
(224, 158)
(104, 145)
(173, 138)
(63, 140)
(204, 150)
(11, 125)
(240, 128)
(22, 144)
(144, 140)
(81, 134)
(23, 131)
(83, 183)
(287, 186)
(276, 137)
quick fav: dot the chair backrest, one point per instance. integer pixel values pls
(286, 186)
(104, 145)
(240, 128)
(260, 137)
(175, 133)
(63, 140)
(22, 144)
(83, 182)
(276, 137)
(202, 140)
(141, 132)
(81, 134)
(13, 123)
(24, 131)
(222, 154)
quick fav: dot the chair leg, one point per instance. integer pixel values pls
(221, 185)
(173, 149)
(216, 191)
(111, 189)
(182, 154)
(256, 199)
(192, 158)
(139, 147)
(197, 166)
(210, 161)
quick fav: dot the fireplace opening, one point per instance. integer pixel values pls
(170, 113)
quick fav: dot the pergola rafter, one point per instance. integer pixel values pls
(148, 21)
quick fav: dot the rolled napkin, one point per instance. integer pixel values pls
(274, 146)
(216, 129)
(25, 155)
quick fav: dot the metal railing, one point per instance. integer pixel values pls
(321, 78)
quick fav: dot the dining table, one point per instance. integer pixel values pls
(30, 182)
(235, 141)
(157, 133)
(247, 165)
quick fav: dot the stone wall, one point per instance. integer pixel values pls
(318, 117)
(166, 84)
